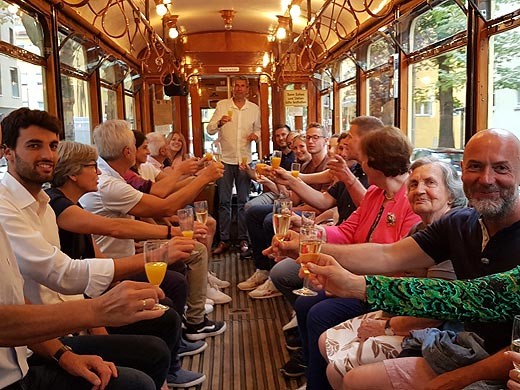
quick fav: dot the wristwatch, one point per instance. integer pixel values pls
(388, 329)
(59, 353)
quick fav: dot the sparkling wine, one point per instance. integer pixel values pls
(310, 246)
(281, 223)
(515, 347)
(202, 216)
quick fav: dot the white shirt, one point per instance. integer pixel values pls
(148, 171)
(13, 361)
(233, 135)
(113, 199)
(154, 162)
(30, 225)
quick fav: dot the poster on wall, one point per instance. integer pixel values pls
(295, 98)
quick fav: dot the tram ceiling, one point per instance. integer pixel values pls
(322, 27)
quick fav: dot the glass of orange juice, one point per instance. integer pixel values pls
(230, 113)
(295, 169)
(276, 159)
(186, 221)
(259, 168)
(155, 265)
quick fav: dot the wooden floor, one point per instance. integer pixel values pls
(250, 353)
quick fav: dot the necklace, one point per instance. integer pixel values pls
(387, 197)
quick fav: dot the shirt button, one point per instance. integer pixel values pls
(484, 260)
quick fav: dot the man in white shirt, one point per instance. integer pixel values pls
(116, 147)
(237, 122)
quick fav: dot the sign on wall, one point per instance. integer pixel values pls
(295, 98)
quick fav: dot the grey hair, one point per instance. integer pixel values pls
(366, 123)
(71, 158)
(155, 142)
(111, 137)
(452, 180)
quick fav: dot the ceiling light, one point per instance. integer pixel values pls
(160, 8)
(227, 15)
(170, 25)
(266, 59)
(283, 25)
(295, 10)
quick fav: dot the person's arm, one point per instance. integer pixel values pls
(400, 326)
(155, 207)
(168, 183)
(339, 168)
(494, 367)
(124, 304)
(213, 125)
(323, 177)
(78, 220)
(89, 367)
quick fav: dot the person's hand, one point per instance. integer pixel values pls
(327, 274)
(339, 168)
(289, 247)
(200, 230)
(296, 222)
(189, 166)
(252, 137)
(89, 367)
(124, 304)
(370, 327)
(213, 171)
(179, 248)
(284, 177)
(224, 119)
(514, 375)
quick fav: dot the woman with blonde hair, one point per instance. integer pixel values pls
(176, 148)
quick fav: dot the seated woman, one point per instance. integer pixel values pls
(75, 174)
(176, 149)
(383, 216)
(433, 189)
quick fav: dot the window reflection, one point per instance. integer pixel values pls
(76, 109)
(108, 104)
(380, 99)
(347, 98)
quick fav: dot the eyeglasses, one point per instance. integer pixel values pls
(94, 164)
(314, 137)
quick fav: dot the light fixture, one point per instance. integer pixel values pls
(266, 59)
(227, 15)
(271, 37)
(295, 11)
(170, 24)
(283, 25)
(161, 8)
(13, 8)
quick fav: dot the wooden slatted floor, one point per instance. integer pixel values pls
(251, 351)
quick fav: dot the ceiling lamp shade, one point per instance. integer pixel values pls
(227, 15)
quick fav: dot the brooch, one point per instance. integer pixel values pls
(390, 219)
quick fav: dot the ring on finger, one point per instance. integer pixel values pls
(144, 304)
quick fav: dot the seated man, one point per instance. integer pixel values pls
(115, 143)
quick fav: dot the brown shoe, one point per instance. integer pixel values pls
(221, 248)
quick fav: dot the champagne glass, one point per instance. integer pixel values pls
(230, 113)
(515, 338)
(155, 265)
(282, 210)
(308, 219)
(217, 150)
(201, 211)
(276, 159)
(310, 245)
(186, 221)
(295, 169)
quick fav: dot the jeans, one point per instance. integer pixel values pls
(148, 354)
(225, 186)
(167, 327)
(49, 376)
(261, 200)
(259, 220)
(315, 315)
(285, 277)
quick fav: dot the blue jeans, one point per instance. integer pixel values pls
(259, 220)
(285, 277)
(225, 187)
(262, 199)
(148, 354)
(315, 315)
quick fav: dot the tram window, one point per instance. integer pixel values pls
(20, 29)
(380, 97)
(492, 9)
(76, 109)
(347, 69)
(438, 101)
(379, 53)
(504, 70)
(327, 110)
(130, 110)
(347, 98)
(108, 104)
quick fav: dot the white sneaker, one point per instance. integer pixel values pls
(216, 282)
(210, 301)
(266, 290)
(255, 280)
(293, 323)
(208, 308)
(217, 296)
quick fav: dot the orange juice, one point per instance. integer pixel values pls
(208, 156)
(295, 173)
(275, 162)
(155, 272)
(260, 168)
(230, 113)
(187, 233)
(244, 160)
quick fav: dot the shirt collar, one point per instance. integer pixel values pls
(23, 198)
(106, 169)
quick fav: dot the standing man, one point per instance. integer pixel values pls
(237, 122)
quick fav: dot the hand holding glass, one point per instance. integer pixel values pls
(155, 264)
(186, 221)
(310, 244)
(282, 210)
(295, 169)
(276, 159)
